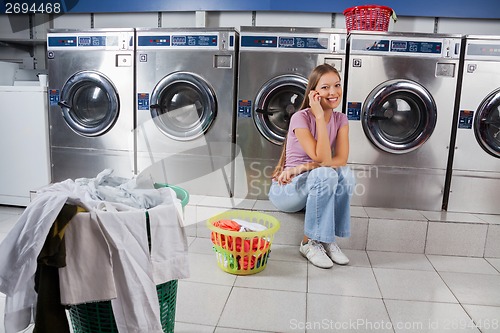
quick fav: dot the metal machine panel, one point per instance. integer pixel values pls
(400, 99)
(377, 70)
(91, 88)
(185, 107)
(475, 171)
(274, 64)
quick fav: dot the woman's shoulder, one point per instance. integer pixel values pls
(304, 113)
(340, 118)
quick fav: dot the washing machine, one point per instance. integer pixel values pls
(401, 97)
(91, 102)
(273, 70)
(475, 180)
(185, 107)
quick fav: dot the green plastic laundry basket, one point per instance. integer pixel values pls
(97, 317)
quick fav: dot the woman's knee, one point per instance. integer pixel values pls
(285, 198)
(347, 181)
(346, 176)
(325, 174)
(325, 177)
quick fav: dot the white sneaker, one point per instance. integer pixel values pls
(315, 253)
(333, 251)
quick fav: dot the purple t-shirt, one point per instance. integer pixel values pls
(295, 155)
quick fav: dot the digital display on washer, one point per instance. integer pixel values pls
(315, 43)
(91, 41)
(62, 41)
(484, 49)
(416, 47)
(153, 40)
(259, 41)
(194, 40)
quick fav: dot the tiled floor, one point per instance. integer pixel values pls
(377, 292)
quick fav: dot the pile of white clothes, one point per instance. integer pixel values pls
(107, 254)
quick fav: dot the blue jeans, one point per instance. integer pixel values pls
(326, 194)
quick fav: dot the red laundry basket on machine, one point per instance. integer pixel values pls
(368, 17)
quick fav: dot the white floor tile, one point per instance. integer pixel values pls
(492, 219)
(343, 281)
(357, 258)
(278, 275)
(200, 303)
(461, 264)
(327, 313)
(232, 330)
(412, 261)
(292, 228)
(358, 211)
(452, 217)
(396, 235)
(412, 285)
(408, 316)
(191, 328)
(478, 289)
(359, 235)
(394, 214)
(264, 310)
(492, 248)
(9, 222)
(286, 253)
(459, 239)
(190, 240)
(264, 205)
(495, 262)
(486, 318)
(204, 269)
(201, 245)
(233, 203)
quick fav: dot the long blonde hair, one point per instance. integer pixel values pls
(313, 80)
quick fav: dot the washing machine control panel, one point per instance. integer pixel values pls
(312, 43)
(446, 48)
(483, 50)
(178, 40)
(106, 41)
(217, 40)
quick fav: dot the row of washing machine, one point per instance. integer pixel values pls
(208, 109)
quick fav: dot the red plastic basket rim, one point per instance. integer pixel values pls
(348, 10)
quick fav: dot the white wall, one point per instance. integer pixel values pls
(469, 27)
(286, 19)
(229, 19)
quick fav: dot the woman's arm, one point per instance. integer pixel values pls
(318, 149)
(286, 175)
(310, 146)
(341, 149)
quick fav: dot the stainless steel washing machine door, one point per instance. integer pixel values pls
(90, 103)
(183, 106)
(487, 124)
(276, 102)
(399, 116)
